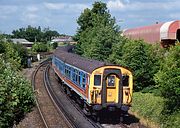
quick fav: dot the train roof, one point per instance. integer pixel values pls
(88, 65)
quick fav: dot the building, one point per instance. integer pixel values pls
(24, 42)
(63, 40)
(166, 33)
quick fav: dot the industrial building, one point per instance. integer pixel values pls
(167, 33)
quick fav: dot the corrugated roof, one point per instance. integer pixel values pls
(22, 41)
(85, 64)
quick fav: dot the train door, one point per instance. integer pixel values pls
(112, 89)
(112, 86)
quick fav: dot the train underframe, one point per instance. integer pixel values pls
(96, 111)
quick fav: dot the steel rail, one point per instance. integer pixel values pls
(57, 103)
(36, 99)
(54, 99)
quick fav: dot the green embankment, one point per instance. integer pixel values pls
(149, 109)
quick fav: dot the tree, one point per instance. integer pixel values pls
(49, 34)
(2, 48)
(40, 47)
(168, 78)
(34, 34)
(16, 95)
(97, 32)
(135, 56)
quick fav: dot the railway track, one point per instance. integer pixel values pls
(50, 115)
(76, 114)
(75, 117)
(55, 107)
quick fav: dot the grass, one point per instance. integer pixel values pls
(150, 108)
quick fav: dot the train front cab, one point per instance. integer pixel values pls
(111, 88)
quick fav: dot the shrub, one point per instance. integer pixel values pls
(54, 45)
(2, 48)
(40, 47)
(168, 79)
(151, 107)
(16, 96)
(147, 105)
(135, 56)
(11, 55)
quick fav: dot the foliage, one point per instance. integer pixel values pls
(54, 45)
(22, 53)
(16, 96)
(151, 107)
(34, 34)
(40, 47)
(133, 54)
(12, 56)
(97, 32)
(16, 54)
(168, 79)
(147, 105)
(2, 47)
(172, 121)
(117, 50)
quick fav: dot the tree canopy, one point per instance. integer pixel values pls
(96, 33)
(34, 34)
(168, 78)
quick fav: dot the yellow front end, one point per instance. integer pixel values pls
(111, 85)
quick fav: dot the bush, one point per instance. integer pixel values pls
(168, 79)
(172, 121)
(54, 45)
(147, 105)
(11, 55)
(2, 47)
(40, 47)
(22, 53)
(151, 108)
(16, 96)
(135, 56)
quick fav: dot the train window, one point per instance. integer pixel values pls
(111, 81)
(76, 75)
(97, 80)
(79, 78)
(69, 72)
(83, 80)
(73, 74)
(125, 80)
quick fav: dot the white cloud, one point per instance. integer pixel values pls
(153, 5)
(115, 4)
(55, 6)
(8, 9)
(68, 7)
(32, 9)
(29, 18)
(126, 5)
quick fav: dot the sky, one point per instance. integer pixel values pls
(62, 15)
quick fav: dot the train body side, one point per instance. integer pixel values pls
(73, 77)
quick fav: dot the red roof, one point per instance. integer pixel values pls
(154, 33)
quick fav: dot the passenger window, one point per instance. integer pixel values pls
(125, 80)
(97, 80)
(111, 81)
(83, 80)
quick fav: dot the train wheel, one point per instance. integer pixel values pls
(98, 119)
(121, 119)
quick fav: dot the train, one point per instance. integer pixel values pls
(97, 86)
